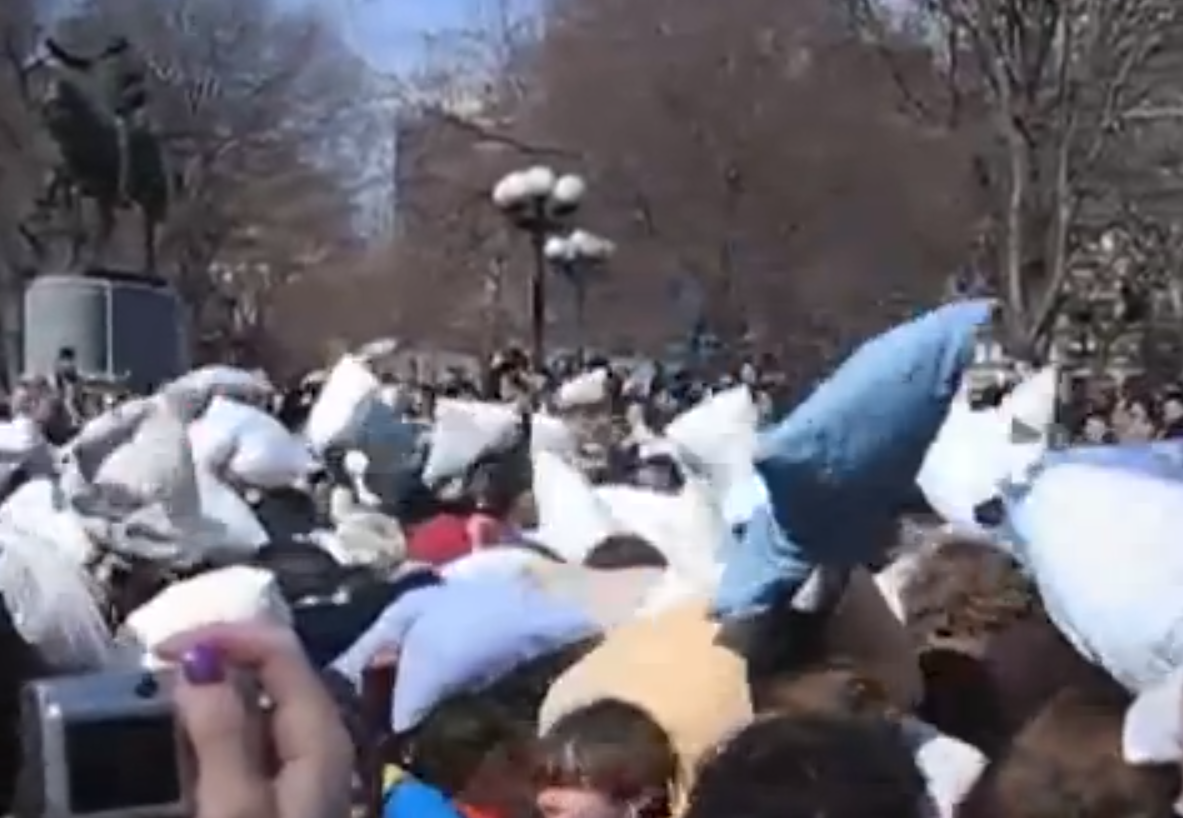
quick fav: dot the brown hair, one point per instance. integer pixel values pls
(1067, 761)
(808, 765)
(966, 590)
(619, 551)
(460, 732)
(615, 748)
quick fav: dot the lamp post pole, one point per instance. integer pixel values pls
(578, 257)
(538, 201)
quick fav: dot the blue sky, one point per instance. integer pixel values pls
(391, 33)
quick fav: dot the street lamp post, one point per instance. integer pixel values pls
(577, 257)
(538, 201)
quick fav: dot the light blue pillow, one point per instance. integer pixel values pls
(472, 633)
(1100, 539)
(841, 463)
(388, 631)
(1160, 459)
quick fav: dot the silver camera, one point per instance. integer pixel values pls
(101, 746)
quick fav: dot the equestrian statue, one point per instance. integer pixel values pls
(95, 111)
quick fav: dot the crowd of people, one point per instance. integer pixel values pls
(1132, 414)
(610, 593)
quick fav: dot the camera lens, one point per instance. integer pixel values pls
(147, 687)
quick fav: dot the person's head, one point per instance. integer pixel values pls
(466, 742)
(660, 473)
(988, 640)
(1139, 419)
(625, 551)
(965, 590)
(66, 366)
(962, 597)
(496, 484)
(478, 748)
(609, 759)
(989, 396)
(1172, 407)
(808, 765)
(1096, 429)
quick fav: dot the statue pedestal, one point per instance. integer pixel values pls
(122, 326)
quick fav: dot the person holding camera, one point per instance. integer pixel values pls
(312, 769)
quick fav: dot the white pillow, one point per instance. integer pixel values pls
(147, 494)
(106, 432)
(975, 451)
(155, 462)
(378, 348)
(572, 519)
(743, 498)
(686, 527)
(463, 432)
(584, 390)
(342, 403)
(22, 444)
(237, 594)
(224, 505)
(950, 767)
(224, 380)
(1153, 730)
(718, 437)
(44, 584)
(38, 506)
(252, 445)
(554, 435)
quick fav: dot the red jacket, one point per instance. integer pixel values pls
(448, 537)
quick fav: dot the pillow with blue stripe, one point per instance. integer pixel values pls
(1098, 530)
(840, 464)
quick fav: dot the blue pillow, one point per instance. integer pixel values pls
(472, 633)
(841, 463)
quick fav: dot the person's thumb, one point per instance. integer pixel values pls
(223, 735)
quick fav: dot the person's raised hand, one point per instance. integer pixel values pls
(312, 752)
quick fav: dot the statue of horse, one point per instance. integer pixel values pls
(94, 146)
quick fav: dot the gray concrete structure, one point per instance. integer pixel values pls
(121, 327)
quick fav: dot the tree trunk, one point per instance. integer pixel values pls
(12, 314)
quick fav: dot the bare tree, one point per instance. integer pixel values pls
(478, 78)
(751, 152)
(733, 149)
(451, 266)
(753, 148)
(22, 165)
(265, 116)
(1049, 89)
